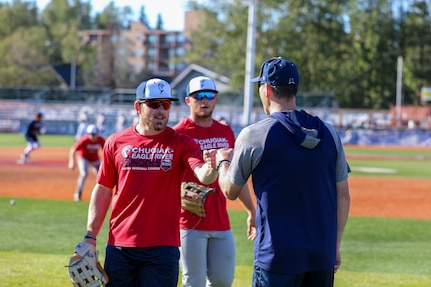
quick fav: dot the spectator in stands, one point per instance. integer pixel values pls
(87, 150)
(100, 123)
(34, 129)
(121, 122)
(82, 125)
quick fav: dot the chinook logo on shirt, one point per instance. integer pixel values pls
(136, 158)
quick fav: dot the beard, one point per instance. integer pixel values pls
(155, 123)
(205, 113)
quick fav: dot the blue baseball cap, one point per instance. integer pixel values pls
(278, 72)
(154, 89)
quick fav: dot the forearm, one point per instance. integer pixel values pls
(223, 180)
(230, 190)
(98, 208)
(205, 173)
(246, 201)
(72, 156)
(343, 202)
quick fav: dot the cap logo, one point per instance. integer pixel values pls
(278, 72)
(161, 87)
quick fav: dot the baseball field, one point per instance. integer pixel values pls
(387, 240)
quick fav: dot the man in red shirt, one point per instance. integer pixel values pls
(140, 179)
(207, 244)
(87, 150)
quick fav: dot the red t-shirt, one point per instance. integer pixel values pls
(147, 172)
(89, 149)
(217, 136)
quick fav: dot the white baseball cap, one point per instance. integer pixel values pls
(92, 129)
(154, 89)
(201, 83)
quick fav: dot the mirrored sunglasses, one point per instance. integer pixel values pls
(157, 104)
(201, 95)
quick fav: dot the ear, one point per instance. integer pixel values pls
(137, 106)
(268, 91)
(187, 100)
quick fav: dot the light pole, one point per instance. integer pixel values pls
(399, 90)
(249, 64)
(72, 64)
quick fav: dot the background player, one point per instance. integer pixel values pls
(87, 149)
(34, 129)
(207, 244)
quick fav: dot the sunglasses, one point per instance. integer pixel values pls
(157, 104)
(201, 95)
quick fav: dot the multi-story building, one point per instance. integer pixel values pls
(139, 52)
(152, 51)
(103, 71)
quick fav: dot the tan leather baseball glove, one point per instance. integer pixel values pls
(193, 197)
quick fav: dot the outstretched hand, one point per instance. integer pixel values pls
(209, 156)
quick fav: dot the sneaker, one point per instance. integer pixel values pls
(76, 197)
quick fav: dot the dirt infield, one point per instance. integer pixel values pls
(48, 177)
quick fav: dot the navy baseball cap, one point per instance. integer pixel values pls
(278, 72)
(154, 89)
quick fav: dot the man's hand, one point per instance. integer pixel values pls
(210, 157)
(251, 227)
(71, 165)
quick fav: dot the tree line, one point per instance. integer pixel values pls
(345, 47)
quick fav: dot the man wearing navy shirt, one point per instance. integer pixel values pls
(34, 129)
(300, 178)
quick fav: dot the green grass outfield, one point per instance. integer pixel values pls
(38, 236)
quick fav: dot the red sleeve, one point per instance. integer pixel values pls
(107, 175)
(79, 144)
(193, 154)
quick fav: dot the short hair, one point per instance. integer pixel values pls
(284, 91)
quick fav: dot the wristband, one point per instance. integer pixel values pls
(89, 236)
(221, 162)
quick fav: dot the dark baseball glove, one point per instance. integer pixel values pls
(84, 267)
(193, 197)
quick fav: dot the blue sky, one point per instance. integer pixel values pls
(172, 11)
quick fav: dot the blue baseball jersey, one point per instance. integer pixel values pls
(295, 161)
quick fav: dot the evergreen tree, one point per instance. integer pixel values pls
(159, 23)
(143, 18)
